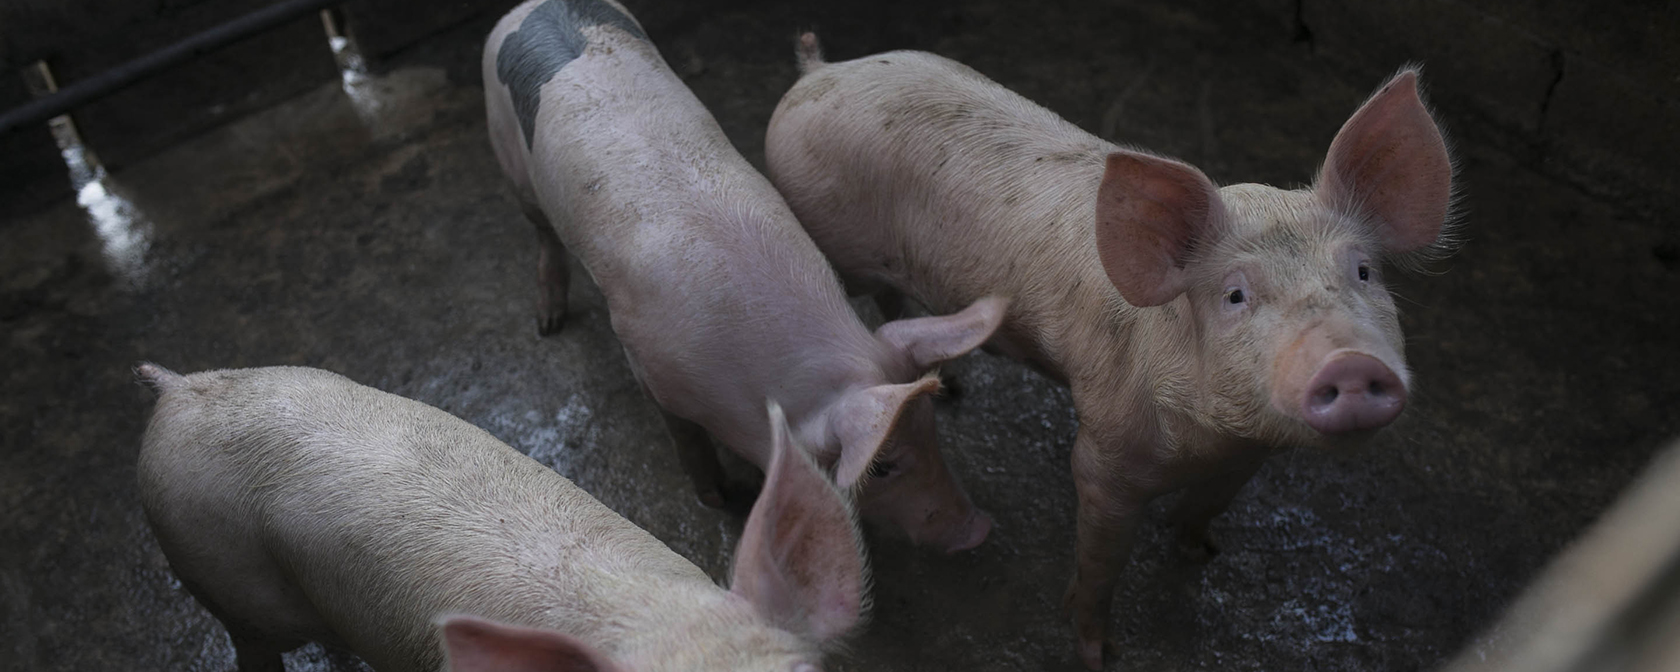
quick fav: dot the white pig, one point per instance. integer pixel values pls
(299, 506)
(1199, 328)
(718, 296)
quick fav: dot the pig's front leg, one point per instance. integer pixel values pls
(1111, 504)
(698, 459)
(1206, 499)
(254, 655)
(693, 445)
(252, 650)
(890, 301)
(553, 273)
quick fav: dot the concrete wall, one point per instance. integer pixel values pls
(1590, 90)
(31, 171)
(79, 38)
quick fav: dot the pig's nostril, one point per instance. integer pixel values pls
(1351, 393)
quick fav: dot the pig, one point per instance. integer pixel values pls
(297, 505)
(1199, 328)
(716, 293)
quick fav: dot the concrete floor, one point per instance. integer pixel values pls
(373, 235)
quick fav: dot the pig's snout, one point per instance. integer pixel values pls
(1353, 392)
(950, 535)
(971, 534)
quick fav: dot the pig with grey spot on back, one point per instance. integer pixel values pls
(298, 506)
(718, 296)
(1199, 328)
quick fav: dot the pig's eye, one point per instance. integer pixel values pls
(1236, 299)
(881, 469)
(1364, 272)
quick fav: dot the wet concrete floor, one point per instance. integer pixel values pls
(372, 234)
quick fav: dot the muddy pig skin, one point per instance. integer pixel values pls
(1199, 328)
(718, 296)
(299, 506)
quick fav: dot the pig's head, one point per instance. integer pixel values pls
(1296, 339)
(884, 433)
(798, 584)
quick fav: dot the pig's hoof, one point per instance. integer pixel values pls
(1088, 631)
(1198, 550)
(950, 392)
(550, 323)
(1091, 653)
(712, 499)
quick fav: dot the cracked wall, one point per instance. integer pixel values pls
(1590, 91)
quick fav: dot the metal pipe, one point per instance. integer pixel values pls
(126, 74)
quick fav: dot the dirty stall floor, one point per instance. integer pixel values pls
(368, 231)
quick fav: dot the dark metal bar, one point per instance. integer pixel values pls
(126, 74)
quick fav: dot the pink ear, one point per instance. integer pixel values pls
(1390, 165)
(1150, 211)
(479, 645)
(930, 341)
(799, 561)
(864, 419)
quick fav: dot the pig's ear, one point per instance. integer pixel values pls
(1389, 164)
(1151, 213)
(930, 341)
(478, 645)
(863, 420)
(799, 562)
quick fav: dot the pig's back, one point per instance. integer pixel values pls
(915, 171)
(531, 65)
(709, 279)
(382, 513)
(619, 153)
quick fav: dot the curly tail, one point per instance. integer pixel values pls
(159, 379)
(809, 53)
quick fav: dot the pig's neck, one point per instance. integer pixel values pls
(1144, 373)
(1167, 349)
(647, 607)
(841, 373)
(808, 383)
(703, 628)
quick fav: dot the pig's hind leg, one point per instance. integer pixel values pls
(553, 272)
